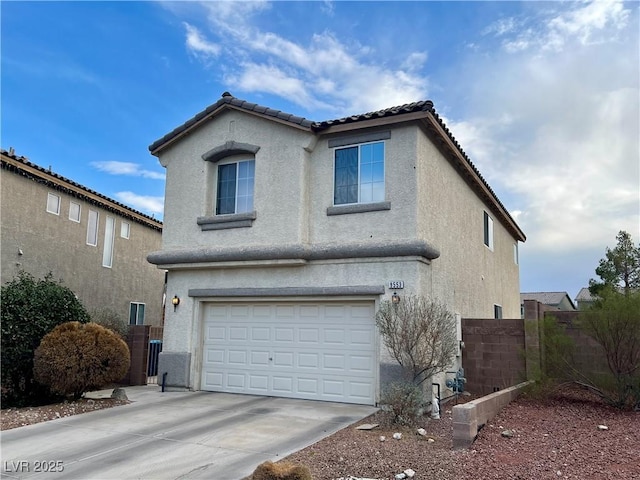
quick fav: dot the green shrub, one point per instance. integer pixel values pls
(30, 309)
(111, 320)
(404, 401)
(75, 358)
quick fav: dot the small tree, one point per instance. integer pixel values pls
(75, 358)
(619, 270)
(30, 309)
(420, 334)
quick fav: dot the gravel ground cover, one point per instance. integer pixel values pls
(556, 438)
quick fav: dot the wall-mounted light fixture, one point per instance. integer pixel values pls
(395, 298)
(175, 301)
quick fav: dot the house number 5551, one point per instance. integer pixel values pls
(396, 284)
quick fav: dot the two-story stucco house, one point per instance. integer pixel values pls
(282, 236)
(96, 246)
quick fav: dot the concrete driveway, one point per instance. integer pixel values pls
(172, 435)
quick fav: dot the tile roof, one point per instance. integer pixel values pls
(422, 106)
(548, 298)
(23, 166)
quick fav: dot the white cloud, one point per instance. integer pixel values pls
(198, 45)
(147, 204)
(308, 74)
(127, 168)
(555, 125)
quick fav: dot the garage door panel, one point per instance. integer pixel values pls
(321, 351)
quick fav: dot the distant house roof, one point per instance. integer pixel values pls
(22, 166)
(584, 295)
(548, 298)
(422, 111)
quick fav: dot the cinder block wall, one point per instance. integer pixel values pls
(494, 354)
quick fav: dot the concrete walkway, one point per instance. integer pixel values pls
(172, 435)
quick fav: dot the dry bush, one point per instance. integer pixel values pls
(420, 334)
(110, 319)
(281, 471)
(75, 358)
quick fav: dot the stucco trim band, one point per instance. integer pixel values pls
(294, 252)
(288, 291)
(358, 208)
(222, 222)
(229, 148)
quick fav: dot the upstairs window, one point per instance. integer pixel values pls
(359, 174)
(488, 231)
(53, 204)
(516, 256)
(125, 229)
(92, 228)
(235, 187)
(497, 312)
(74, 212)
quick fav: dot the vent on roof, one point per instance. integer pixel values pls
(226, 94)
(11, 151)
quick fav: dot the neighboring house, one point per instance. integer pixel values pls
(282, 236)
(557, 300)
(584, 299)
(95, 245)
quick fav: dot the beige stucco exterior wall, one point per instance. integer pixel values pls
(281, 172)
(53, 243)
(468, 275)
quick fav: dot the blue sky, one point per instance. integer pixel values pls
(543, 96)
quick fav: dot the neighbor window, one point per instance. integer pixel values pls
(92, 228)
(53, 204)
(136, 313)
(125, 229)
(359, 174)
(109, 234)
(497, 311)
(235, 187)
(74, 212)
(488, 231)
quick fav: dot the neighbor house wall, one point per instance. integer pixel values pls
(55, 244)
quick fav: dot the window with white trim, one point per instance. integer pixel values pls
(497, 311)
(53, 203)
(516, 256)
(136, 313)
(235, 187)
(74, 212)
(488, 231)
(109, 236)
(92, 228)
(359, 174)
(125, 229)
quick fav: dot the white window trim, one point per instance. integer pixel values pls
(384, 173)
(235, 207)
(137, 312)
(124, 234)
(487, 222)
(516, 254)
(51, 196)
(109, 237)
(79, 212)
(89, 223)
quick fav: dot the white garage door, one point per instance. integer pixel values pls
(317, 351)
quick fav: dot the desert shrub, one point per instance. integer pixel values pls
(74, 358)
(111, 320)
(403, 401)
(31, 308)
(281, 471)
(420, 334)
(615, 325)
